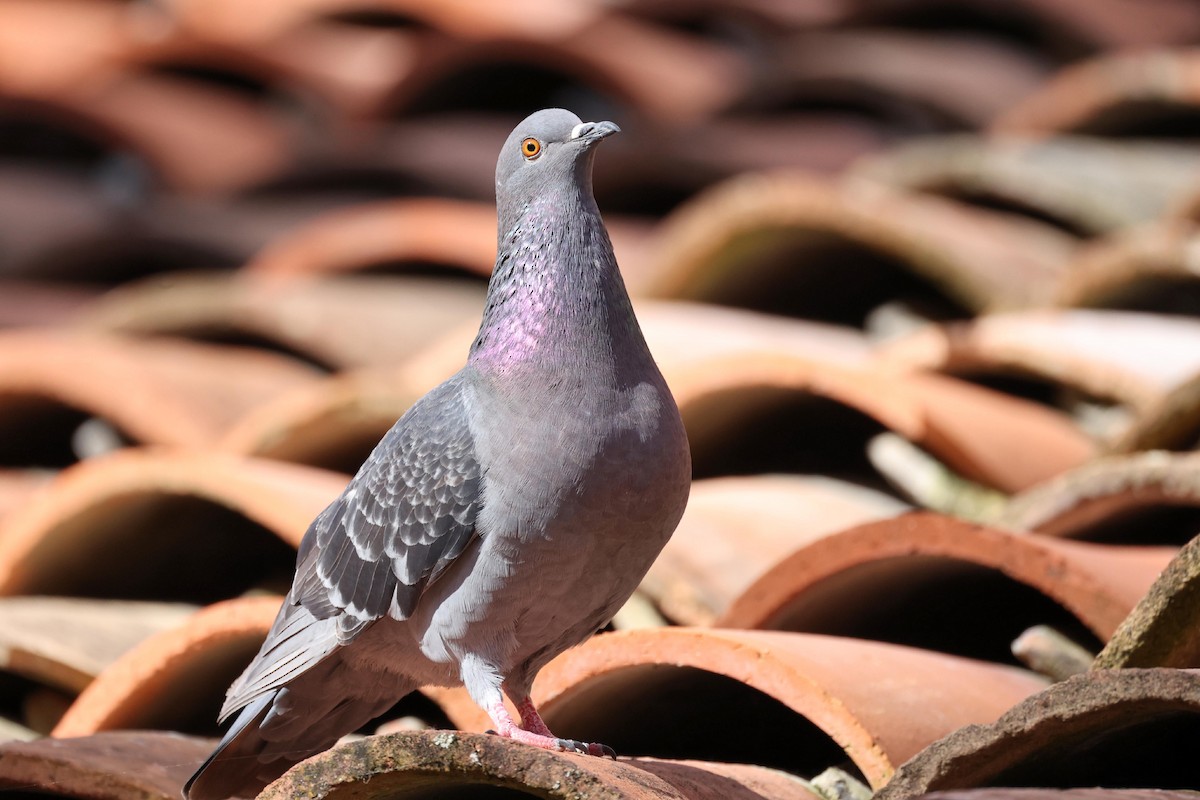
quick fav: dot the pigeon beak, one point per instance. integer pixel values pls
(591, 132)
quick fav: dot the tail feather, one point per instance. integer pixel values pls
(233, 769)
(274, 732)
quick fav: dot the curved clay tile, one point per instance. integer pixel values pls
(1133, 359)
(174, 680)
(1139, 93)
(735, 529)
(1103, 728)
(1188, 206)
(82, 228)
(51, 648)
(334, 424)
(1051, 25)
(682, 333)
(1102, 500)
(313, 73)
(941, 82)
(639, 62)
(1082, 184)
(813, 700)
(171, 508)
(790, 243)
(30, 199)
(750, 14)
(451, 233)
(1173, 423)
(65, 642)
(617, 60)
(47, 46)
(17, 486)
(28, 304)
(400, 765)
(343, 322)
(177, 678)
(1163, 630)
(932, 581)
(158, 392)
(231, 20)
(198, 138)
(1001, 441)
(1145, 268)
(123, 765)
(353, 70)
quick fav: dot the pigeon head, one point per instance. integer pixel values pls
(550, 149)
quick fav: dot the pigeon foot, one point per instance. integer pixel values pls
(533, 731)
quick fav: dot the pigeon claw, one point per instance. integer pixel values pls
(533, 731)
(586, 748)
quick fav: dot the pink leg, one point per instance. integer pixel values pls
(536, 733)
(531, 720)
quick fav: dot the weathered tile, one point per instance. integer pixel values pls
(930, 581)
(1104, 728)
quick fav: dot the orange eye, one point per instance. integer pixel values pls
(531, 147)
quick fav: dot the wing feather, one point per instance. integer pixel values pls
(403, 519)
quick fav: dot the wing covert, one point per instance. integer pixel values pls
(407, 514)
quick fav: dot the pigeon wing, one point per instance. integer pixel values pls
(404, 518)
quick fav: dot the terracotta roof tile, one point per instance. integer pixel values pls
(1172, 423)
(1161, 631)
(176, 679)
(1102, 728)
(964, 257)
(171, 393)
(51, 648)
(46, 46)
(911, 80)
(936, 582)
(243, 142)
(123, 765)
(721, 396)
(1109, 370)
(735, 529)
(1082, 184)
(879, 703)
(65, 642)
(333, 424)
(1115, 499)
(1139, 93)
(785, 284)
(172, 507)
(343, 322)
(394, 765)
(1060, 23)
(468, 18)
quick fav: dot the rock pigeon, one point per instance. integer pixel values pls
(503, 519)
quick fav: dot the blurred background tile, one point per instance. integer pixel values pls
(891, 255)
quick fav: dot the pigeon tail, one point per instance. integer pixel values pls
(233, 768)
(274, 732)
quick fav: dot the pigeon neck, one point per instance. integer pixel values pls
(556, 294)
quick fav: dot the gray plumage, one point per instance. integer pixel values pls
(504, 518)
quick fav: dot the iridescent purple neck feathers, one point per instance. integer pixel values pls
(555, 288)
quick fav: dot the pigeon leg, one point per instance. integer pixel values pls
(531, 720)
(506, 727)
(483, 683)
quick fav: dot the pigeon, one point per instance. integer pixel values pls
(504, 518)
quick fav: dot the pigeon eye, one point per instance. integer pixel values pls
(531, 147)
